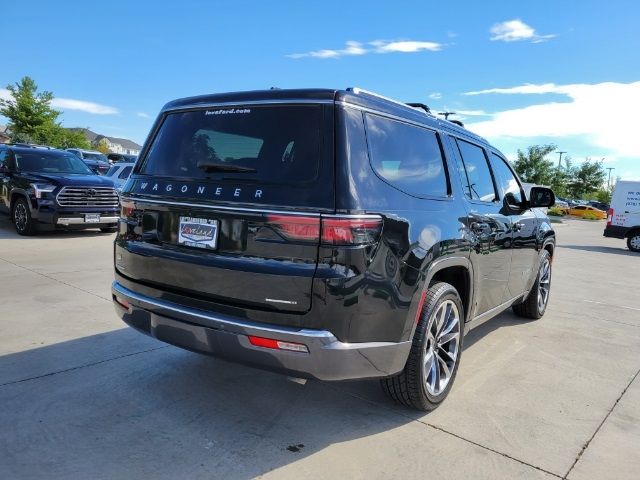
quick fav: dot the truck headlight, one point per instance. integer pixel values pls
(40, 188)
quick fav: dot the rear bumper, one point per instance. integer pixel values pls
(227, 337)
(615, 231)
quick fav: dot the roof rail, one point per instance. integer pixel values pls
(420, 105)
(358, 90)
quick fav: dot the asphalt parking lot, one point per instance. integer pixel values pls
(83, 396)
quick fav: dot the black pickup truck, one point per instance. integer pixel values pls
(44, 189)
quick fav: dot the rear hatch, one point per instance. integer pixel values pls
(226, 204)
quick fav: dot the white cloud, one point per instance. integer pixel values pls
(408, 46)
(72, 104)
(581, 116)
(435, 96)
(143, 115)
(516, 31)
(473, 113)
(353, 48)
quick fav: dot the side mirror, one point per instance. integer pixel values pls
(541, 197)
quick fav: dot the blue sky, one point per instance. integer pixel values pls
(518, 73)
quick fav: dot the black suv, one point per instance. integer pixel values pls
(326, 234)
(48, 188)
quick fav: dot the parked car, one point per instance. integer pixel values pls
(121, 157)
(623, 219)
(562, 205)
(96, 161)
(44, 189)
(599, 205)
(119, 173)
(332, 234)
(587, 210)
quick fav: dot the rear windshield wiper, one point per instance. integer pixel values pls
(224, 167)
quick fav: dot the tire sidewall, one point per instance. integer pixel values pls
(632, 236)
(429, 309)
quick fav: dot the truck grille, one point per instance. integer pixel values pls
(87, 197)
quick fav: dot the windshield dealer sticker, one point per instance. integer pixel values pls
(198, 232)
(228, 111)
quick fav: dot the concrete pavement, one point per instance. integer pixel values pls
(84, 397)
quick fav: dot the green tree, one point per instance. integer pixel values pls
(33, 120)
(533, 167)
(587, 179)
(102, 147)
(29, 112)
(561, 176)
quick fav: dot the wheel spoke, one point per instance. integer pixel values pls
(450, 356)
(446, 373)
(446, 338)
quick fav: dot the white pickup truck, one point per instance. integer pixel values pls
(623, 218)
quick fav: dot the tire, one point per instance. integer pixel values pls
(421, 384)
(108, 229)
(633, 241)
(21, 216)
(536, 302)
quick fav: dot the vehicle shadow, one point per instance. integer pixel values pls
(601, 249)
(164, 413)
(7, 230)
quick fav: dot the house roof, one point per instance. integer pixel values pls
(126, 143)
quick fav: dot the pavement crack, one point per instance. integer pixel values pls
(49, 277)
(78, 367)
(588, 442)
(440, 429)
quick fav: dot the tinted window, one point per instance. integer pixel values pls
(580, 208)
(112, 171)
(3, 157)
(408, 157)
(41, 161)
(476, 177)
(126, 171)
(507, 182)
(269, 144)
(95, 156)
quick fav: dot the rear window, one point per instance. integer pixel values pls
(126, 171)
(270, 144)
(406, 156)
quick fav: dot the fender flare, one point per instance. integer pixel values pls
(433, 268)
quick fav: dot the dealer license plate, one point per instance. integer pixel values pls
(198, 232)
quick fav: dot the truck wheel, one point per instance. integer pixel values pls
(536, 302)
(22, 218)
(435, 352)
(633, 241)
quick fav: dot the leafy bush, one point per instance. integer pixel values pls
(556, 212)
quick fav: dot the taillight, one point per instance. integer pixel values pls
(610, 216)
(331, 230)
(351, 231)
(277, 344)
(293, 227)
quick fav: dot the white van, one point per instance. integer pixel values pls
(623, 219)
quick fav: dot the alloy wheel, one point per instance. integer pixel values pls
(544, 284)
(20, 216)
(441, 348)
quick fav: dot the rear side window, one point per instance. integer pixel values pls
(505, 178)
(477, 179)
(126, 171)
(274, 144)
(406, 156)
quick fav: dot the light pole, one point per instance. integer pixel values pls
(609, 180)
(446, 114)
(560, 159)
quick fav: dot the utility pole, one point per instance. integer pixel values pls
(560, 159)
(446, 114)
(609, 180)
